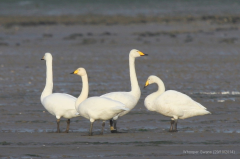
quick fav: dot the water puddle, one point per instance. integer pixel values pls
(39, 130)
(218, 96)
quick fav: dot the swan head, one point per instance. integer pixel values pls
(151, 79)
(136, 53)
(80, 71)
(47, 56)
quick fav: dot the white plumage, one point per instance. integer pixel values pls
(129, 99)
(60, 105)
(172, 103)
(96, 108)
(57, 104)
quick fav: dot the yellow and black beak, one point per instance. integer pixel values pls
(42, 58)
(75, 72)
(142, 54)
(146, 84)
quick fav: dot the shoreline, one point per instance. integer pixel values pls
(9, 21)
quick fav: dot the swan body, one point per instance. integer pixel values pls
(96, 108)
(129, 99)
(60, 105)
(57, 104)
(172, 103)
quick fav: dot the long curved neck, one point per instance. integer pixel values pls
(84, 92)
(49, 80)
(161, 87)
(133, 77)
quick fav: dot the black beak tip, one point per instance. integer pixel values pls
(145, 55)
(42, 59)
(72, 73)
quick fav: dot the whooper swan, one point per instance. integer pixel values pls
(129, 99)
(57, 104)
(172, 103)
(95, 108)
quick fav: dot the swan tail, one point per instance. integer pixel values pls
(120, 108)
(192, 113)
(125, 109)
(200, 106)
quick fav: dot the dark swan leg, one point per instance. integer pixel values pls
(68, 125)
(113, 125)
(103, 124)
(171, 127)
(58, 123)
(175, 125)
(90, 130)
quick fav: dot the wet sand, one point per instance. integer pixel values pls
(199, 58)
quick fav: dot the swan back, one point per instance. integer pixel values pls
(173, 103)
(98, 108)
(126, 98)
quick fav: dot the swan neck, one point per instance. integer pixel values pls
(84, 93)
(133, 77)
(161, 87)
(49, 80)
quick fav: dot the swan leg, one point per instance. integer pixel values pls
(103, 124)
(111, 123)
(171, 127)
(113, 126)
(58, 123)
(68, 124)
(175, 125)
(90, 130)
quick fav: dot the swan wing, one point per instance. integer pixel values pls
(172, 103)
(101, 108)
(58, 103)
(178, 99)
(124, 97)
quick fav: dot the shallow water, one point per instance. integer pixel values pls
(198, 58)
(124, 7)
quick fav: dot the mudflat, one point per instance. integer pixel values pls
(196, 56)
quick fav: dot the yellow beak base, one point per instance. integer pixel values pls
(146, 84)
(75, 72)
(141, 53)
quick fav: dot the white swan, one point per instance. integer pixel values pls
(129, 99)
(172, 103)
(57, 104)
(95, 108)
